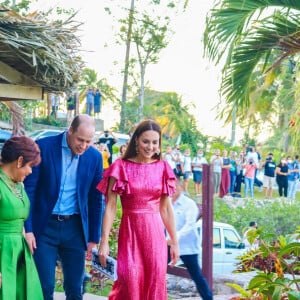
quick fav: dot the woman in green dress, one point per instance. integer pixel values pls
(18, 276)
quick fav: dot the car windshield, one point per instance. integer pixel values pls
(35, 133)
(38, 134)
(231, 239)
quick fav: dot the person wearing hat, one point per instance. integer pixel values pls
(269, 176)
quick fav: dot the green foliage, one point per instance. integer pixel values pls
(273, 260)
(21, 6)
(114, 233)
(4, 112)
(89, 78)
(261, 65)
(173, 116)
(281, 215)
(50, 121)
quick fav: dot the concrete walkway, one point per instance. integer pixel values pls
(61, 296)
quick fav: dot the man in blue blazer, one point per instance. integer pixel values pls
(66, 208)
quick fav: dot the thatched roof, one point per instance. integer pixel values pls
(45, 51)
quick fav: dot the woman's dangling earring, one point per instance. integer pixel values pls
(136, 148)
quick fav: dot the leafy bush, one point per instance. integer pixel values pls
(277, 264)
(50, 121)
(277, 217)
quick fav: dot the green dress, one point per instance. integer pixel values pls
(19, 277)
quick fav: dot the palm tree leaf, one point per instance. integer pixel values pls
(254, 46)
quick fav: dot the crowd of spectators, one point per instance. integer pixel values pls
(232, 169)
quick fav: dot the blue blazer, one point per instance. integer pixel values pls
(42, 187)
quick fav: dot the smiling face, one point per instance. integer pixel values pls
(147, 145)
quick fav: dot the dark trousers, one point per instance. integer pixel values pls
(256, 180)
(282, 186)
(64, 239)
(192, 264)
(238, 182)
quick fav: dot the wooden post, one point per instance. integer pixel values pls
(207, 223)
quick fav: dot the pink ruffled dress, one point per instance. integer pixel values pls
(142, 248)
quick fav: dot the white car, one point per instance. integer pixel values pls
(227, 245)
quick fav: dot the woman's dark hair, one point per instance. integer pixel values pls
(140, 129)
(21, 146)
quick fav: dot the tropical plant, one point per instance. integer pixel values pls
(149, 35)
(273, 261)
(89, 78)
(174, 117)
(256, 40)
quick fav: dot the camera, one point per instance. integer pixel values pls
(106, 133)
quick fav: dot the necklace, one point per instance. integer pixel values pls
(17, 188)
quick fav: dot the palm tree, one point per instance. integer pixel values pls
(89, 78)
(246, 33)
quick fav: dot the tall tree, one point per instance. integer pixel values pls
(89, 78)
(255, 40)
(127, 25)
(150, 37)
(126, 67)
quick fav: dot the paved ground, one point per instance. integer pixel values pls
(61, 296)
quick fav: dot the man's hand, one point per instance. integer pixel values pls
(91, 245)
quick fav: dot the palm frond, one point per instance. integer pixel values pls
(276, 33)
(229, 19)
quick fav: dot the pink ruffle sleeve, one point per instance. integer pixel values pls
(169, 185)
(117, 171)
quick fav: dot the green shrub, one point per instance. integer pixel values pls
(273, 261)
(275, 217)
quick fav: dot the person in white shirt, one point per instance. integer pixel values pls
(197, 164)
(178, 157)
(170, 158)
(252, 154)
(186, 168)
(186, 213)
(217, 162)
(250, 245)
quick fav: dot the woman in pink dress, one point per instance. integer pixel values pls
(144, 182)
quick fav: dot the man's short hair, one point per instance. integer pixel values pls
(252, 223)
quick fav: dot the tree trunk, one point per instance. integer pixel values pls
(17, 118)
(233, 126)
(142, 93)
(125, 79)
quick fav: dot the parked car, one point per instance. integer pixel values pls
(227, 245)
(41, 133)
(122, 138)
(4, 135)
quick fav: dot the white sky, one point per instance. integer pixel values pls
(181, 68)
